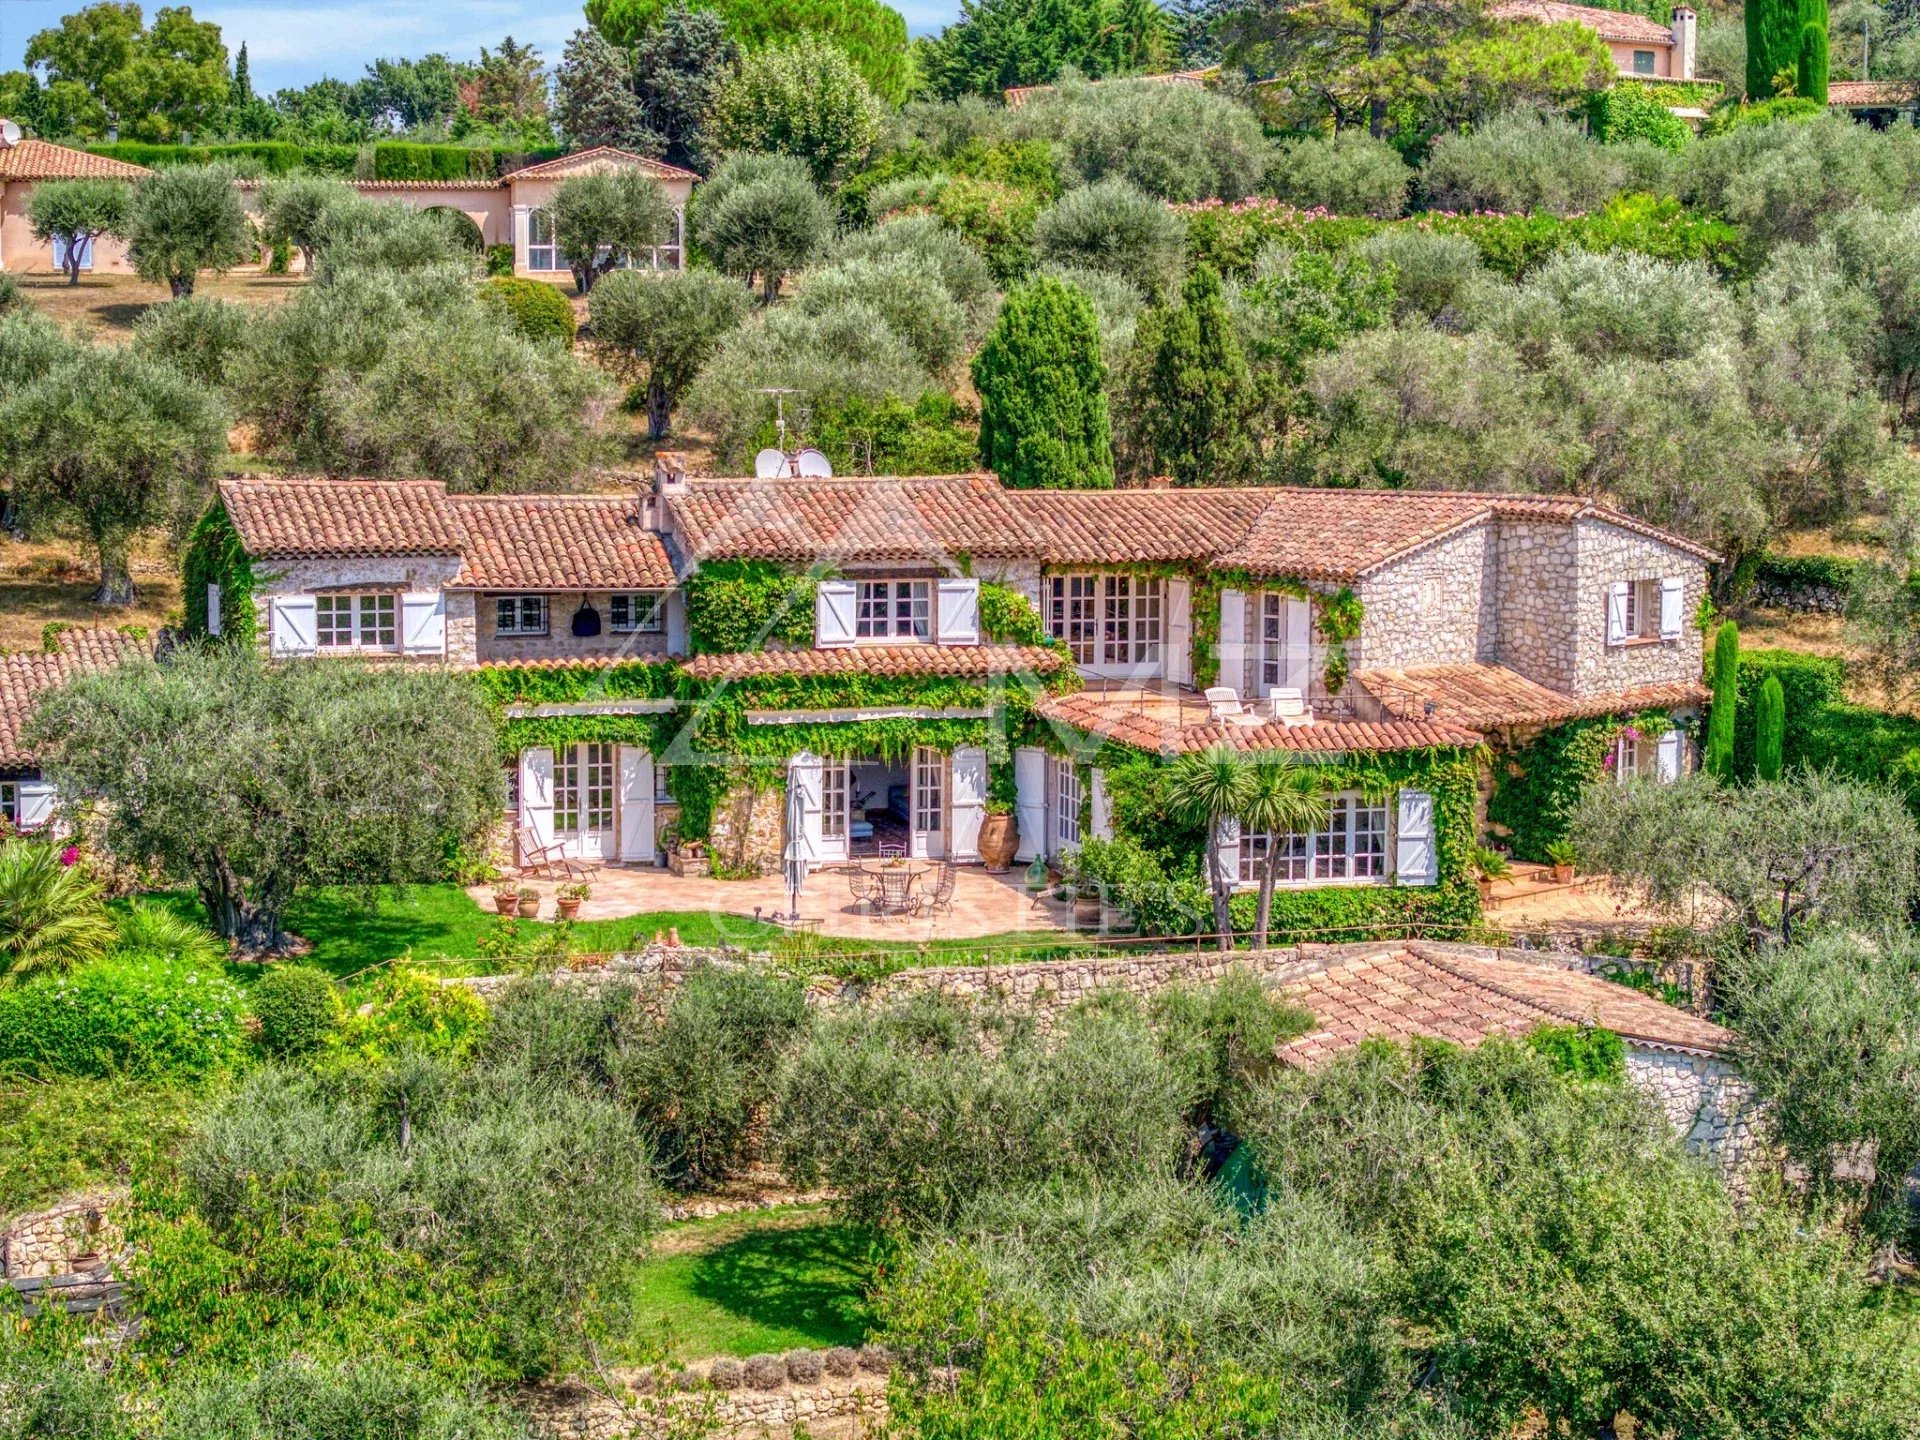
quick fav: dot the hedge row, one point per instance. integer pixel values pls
(1823, 730)
(385, 160)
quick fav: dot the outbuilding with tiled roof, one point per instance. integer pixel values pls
(27, 798)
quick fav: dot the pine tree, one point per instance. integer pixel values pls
(1770, 729)
(1726, 681)
(1198, 391)
(594, 100)
(1043, 398)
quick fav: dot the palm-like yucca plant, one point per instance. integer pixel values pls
(1210, 788)
(1280, 797)
(51, 916)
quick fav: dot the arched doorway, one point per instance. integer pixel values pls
(460, 226)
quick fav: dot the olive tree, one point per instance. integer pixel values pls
(665, 327)
(251, 781)
(105, 442)
(294, 208)
(74, 214)
(1115, 227)
(184, 220)
(760, 215)
(605, 217)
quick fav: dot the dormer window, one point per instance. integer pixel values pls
(356, 622)
(520, 615)
(638, 612)
(893, 610)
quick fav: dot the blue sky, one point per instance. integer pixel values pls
(291, 44)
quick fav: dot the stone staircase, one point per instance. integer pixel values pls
(1530, 883)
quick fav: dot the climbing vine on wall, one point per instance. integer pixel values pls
(736, 606)
(1337, 617)
(215, 556)
(1537, 786)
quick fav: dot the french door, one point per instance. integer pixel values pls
(583, 800)
(929, 833)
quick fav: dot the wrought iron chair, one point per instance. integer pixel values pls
(861, 884)
(939, 900)
(892, 852)
(896, 892)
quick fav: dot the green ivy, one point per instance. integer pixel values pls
(737, 606)
(573, 684)
(1337, 617)
(1008, 618)
(1582, 1052)
(1537, 787)
(216, 556)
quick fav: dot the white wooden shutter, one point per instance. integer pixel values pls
(1416, 859)
(1226, 840)
(1673, 595)
(1233, 639)
(536, 793)
(1296, 630)
(36, 803)
(805, 779)
(636, 805)
(1178, 663)
(291, 625)
(213, 610)
(1667, 756)
(969, 799)
(1617, 613)
(676, 604)
(423, 622)
(833, 612)
(1100, 806)
(1030, 800)
(959, 611)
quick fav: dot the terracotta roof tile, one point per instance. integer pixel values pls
(1872, 92)
(586, 159)
(1487, 696)
(24, 678)
(1167, 721)
(1117, 527)
(961, 660)
(1466, 996)
(557, 542)
(286, 518)
(1608, 24)
(39, 160)
(1017, 95)
(850, 519)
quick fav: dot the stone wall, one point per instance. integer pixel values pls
(74, 1235)
(560, 643)
(1536, 599)
(1608, 554)
(1433, 607)
(838, 1393)
(749, 830)
(1705, 1100)
(381, 573)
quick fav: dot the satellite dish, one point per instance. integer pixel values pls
(769, 464)
(9, 134)
(812, 464)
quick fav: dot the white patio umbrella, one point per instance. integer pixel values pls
(794, 863)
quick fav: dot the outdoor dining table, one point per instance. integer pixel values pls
(896, 879)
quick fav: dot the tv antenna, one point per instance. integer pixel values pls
(780, 394)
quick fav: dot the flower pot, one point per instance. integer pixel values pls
(1086, 908)
(505, 903)
(1562, 874)
(569, 909)
(1486, 891)
(527, 909)
(999, 838)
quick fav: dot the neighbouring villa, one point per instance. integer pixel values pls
(1642, 49)
(505, 211)
(906, 657)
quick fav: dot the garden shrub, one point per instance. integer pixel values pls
(1113, 226)
(411, 1009)
(1434, 274)
(499, 261)
(962, 269)
(1823, 731)
(298, 1010)
(1627, 111)
(197, 336)
(1225, 1035)
(764, 1372)
(1523, 162)
(130, 1014)
(1585, 1052)
(302, 1399)
(804, 1367)
(538, 310)
(1350, 174)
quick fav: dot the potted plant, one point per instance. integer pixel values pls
(1489, 865)
(685, 857)
(529, 902)
(506, 896)
(567, 899)
(1560, 855)
(999, 836)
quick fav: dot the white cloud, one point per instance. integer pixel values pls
(295, 44)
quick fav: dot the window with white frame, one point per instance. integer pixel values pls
(1277, 609)
(1632, 755)
(583, 789)
(542, 253)
(1066, 803)
(833, 800)
(638, 612)
(893, 609)
(520, 615)
(1112, 619)
(1643, 610)
(356, 622)
(1351, 845)
(663, 784)
(929, 789)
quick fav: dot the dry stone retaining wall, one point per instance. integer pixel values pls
(838, 1393)
(73, 1235)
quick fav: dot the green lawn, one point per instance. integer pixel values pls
(744, 1285)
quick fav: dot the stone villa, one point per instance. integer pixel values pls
(909, 655)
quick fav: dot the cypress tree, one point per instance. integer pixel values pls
(1790, 37)
(1198, 390)
(1770, 729)
(1726, 678)
(1811, 72)
(1043, 398)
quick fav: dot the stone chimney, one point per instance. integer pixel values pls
(1686, 41)
(669, 473)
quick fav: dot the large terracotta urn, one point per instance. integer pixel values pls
(999, 838)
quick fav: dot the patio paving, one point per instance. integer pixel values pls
(983, 904)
